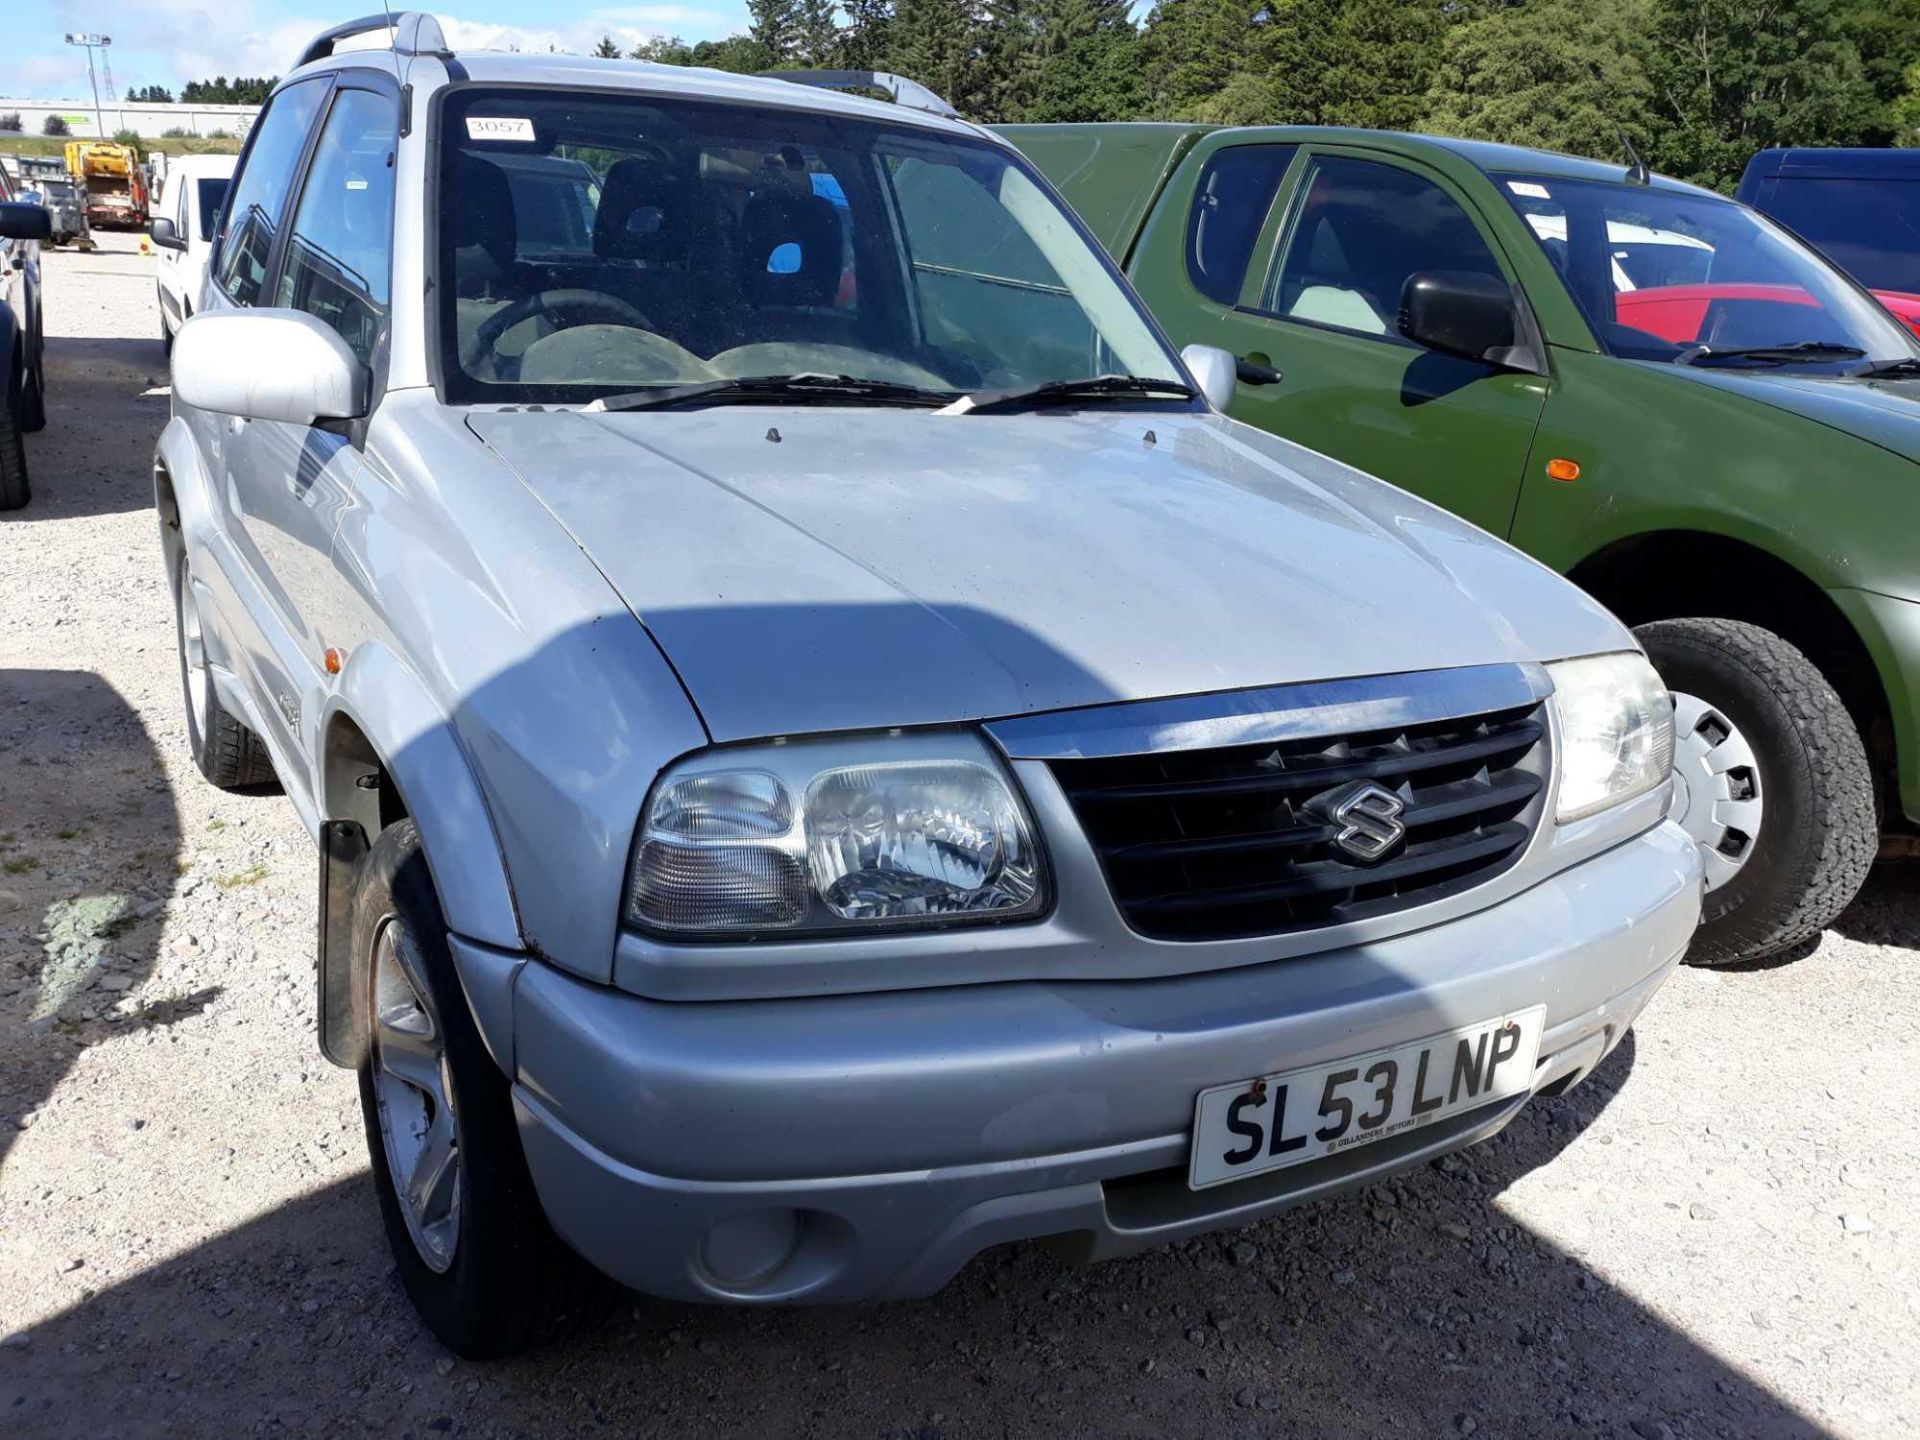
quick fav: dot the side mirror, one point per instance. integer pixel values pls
(268, 365)
(1460, 313)
(164, 233)
(19, 221)
(1213, 369)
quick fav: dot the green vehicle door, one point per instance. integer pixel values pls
(1315, 293)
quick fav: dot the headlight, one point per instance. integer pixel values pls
(1616, 731)
(838, 835)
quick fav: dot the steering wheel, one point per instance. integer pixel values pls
(564, 307)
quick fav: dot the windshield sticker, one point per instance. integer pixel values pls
(498, 127)
(1518, 187)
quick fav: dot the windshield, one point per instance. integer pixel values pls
(596, 244)
(1669, 275)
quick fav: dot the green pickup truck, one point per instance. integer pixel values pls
(1645, 385)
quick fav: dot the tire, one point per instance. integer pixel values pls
(166, 335)
(227, 753)
(476, 1254)
(33, 399)
(1762, 737)
(14, 489)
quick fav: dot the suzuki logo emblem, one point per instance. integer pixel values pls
(1368, 816)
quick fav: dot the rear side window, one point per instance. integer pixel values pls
(1229, 206)
(1868, 227)
(207, 195)
(260, 190)
(1361, 230)
(340, 254)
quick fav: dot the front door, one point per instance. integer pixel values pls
(1338, 247)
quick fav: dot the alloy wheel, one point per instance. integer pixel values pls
(413, 1090)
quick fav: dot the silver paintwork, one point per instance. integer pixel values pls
(1719, 795)
(1215, 372)
(541, 611)
(268, 365)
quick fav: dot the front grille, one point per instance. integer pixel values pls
(1215, 844)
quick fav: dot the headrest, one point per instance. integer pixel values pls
(790, 249)
(646, 213)
(486, 237)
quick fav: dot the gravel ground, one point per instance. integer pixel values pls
(1715, 1236)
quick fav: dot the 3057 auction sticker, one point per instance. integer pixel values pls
(498, 127)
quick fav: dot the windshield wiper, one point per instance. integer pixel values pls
(1771, 354)
(773, 387)
(1065, 392)
(1905, 365)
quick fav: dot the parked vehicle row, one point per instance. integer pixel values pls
(23, 376)
(828, 751)
(1649, 387)
(182, 232)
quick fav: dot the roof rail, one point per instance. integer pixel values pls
(414, 33)
(910, 93)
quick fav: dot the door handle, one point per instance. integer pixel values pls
(1250, 371)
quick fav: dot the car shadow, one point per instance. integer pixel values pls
(1414, 1307)
(1887, 909)
(89, 848)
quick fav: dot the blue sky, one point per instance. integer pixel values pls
(168, 42)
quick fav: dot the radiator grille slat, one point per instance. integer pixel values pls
(1221, 843)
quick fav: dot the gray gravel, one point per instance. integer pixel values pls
(1716, 1236)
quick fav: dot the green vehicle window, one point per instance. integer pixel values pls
(1361, 229)
(1230, 204)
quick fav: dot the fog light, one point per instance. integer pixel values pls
(744, 1248)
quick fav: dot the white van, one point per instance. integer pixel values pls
(182, 228)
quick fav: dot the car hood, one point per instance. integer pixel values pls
(1882, 412)
(814, 569)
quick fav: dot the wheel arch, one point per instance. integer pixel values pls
(1669, 574)
(387, 752)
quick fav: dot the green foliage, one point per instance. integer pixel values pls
(149, 95)
(606, 49)
(55, 125)
(1555, 74)
(663, 50)
(129, 138)
(1904, 113)
(1734, 76)
(10, 122)
(242, 90)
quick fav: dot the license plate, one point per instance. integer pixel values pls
(1255, 1126)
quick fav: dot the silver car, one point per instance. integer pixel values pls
(827, 750)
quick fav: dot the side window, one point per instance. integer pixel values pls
(1229, 206)
(340, 253)
(260, 190)
(1360, 230)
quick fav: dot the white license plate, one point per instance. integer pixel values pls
(1254, 1126)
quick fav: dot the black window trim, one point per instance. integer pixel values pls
(1283, 190)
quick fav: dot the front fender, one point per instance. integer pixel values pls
(182, 492)
(425, 762)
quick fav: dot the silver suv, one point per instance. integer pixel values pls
(827, 750)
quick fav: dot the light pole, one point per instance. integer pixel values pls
(90, 42)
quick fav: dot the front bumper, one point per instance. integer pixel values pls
(847, 1147)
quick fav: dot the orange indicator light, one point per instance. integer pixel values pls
(335, 658)
(1563, 469)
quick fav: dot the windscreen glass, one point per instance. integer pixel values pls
(1674, 276)
(595, 244)
(1868, 226)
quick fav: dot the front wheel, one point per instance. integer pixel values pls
(226, 751)
(471, 1242)
(14, 489)
(1770, 779)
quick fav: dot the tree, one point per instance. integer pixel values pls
(1734, 76)
(816, 34)
(221, 91)
(936, 43)
(1556, 74)
(55, 125)
(864, 38)
(1887, 35)
(1904, 114)
(606, 49)
(773, 27)
(1090, 63)
(1194, 49)
(663, 50)
(150, 95)
(10, 122)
